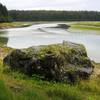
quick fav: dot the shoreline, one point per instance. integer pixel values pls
(15, 25)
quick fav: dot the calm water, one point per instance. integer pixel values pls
(40, 34)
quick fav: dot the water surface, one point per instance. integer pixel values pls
(41, 34)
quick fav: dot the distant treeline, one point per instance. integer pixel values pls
(42, 15)
(4, 16)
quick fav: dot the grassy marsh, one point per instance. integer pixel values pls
(92, 26)
(15, 24)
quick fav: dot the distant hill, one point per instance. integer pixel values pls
(4, 16)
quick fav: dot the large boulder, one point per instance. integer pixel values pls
(58, 62)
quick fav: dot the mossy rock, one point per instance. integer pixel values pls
(58, 62)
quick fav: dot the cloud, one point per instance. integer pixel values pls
(53, 4)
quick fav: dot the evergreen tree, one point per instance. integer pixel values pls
(4, 16)
(43, 15)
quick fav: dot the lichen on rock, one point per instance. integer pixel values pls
(59, 62)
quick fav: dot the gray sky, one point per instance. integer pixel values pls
(52, 4)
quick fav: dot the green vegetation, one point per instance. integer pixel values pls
(42, 15)
(17, 86)
(3, 40)
(4, 16)
(86, 25)
(15, 24)
(4, 92)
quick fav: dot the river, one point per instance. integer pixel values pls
(47, 33)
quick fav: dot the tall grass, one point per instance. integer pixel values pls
(17, 86)
(5, 94)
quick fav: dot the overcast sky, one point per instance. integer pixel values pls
(52, 4)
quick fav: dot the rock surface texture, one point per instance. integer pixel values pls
(64, 62)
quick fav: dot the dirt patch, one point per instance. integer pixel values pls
(4, 51)
(96, 70)
(2, 54)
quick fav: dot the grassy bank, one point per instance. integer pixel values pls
(15, 24)
(17, 86)
(86, 25)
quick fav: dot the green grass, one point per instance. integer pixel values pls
(86, 25)
(15, 24)
(5, 94)
(96, 24)
(17, 86)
